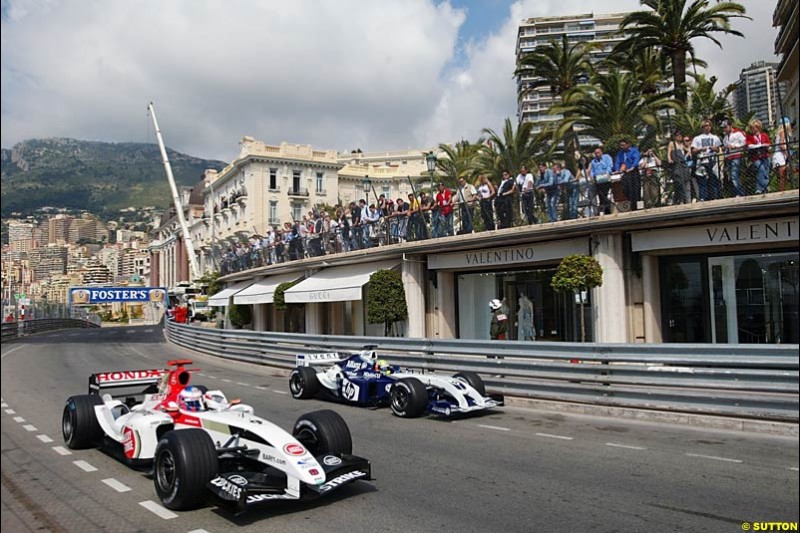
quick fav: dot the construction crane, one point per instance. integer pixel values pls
(187, 239)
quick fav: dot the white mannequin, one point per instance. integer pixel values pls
(525, 328)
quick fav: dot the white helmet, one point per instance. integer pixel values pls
(216, 400)
(191, 399)
(495, 304)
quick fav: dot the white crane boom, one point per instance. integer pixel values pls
(187, 239)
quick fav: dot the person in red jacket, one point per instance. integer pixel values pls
(443, 216)
(758, 150)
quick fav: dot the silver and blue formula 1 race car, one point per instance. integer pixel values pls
(201, 444)
(363, 379)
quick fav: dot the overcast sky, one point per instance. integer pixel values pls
(337, 74)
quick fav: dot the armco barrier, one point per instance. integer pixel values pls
(15, 330)
(754, 381)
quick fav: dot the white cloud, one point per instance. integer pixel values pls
(336, 74)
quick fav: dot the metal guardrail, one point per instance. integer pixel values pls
(15, 330)
(753, 381)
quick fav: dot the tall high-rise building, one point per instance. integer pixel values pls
(757, 92)
(58, 229)
(785, 17)
(20, 236)
(534, 102)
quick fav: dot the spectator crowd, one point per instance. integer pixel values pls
(710, 165)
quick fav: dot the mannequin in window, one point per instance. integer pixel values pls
(525, 327)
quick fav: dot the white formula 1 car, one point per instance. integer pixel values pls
(361, 378)
(201, 444)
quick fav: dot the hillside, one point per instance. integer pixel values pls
(96, 176)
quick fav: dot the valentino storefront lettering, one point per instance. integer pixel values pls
(754, 232)
(499, 256)
(531, 253)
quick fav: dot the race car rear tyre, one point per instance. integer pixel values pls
(473, 380)
(323, 432)
(185, 461)
(303, 383)
(409, 398)
(79, 424)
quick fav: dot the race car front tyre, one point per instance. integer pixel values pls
(473, 380)
(185, 461)
(323, 432)
(79, 424)
(409, 398)
(303, 383)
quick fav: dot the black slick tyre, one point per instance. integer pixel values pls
(473, 380)
(409, 398)
(323, 432)
(185, 461)
(79, 424)
(303, 383)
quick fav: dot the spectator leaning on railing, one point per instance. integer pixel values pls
(734, 143)
(502, 204)
(758, 144)
(486, 191)
(782, 155)
(546, 183)
(524, 183)
(601, 168)
(443, 212)
(466, 196)
(705, 148)
(627, 163)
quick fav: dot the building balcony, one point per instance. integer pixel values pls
(298, 192)
(321, 192)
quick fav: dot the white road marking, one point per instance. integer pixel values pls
(261, 388)
(4, 404)
(227, 380)
(493, 427)
(198, 531)
(551, 436)
(212, 377)
(44, 438)
(83, 465)
(201, 374)
(149, 330)
(157, 510)
(74, 334)
(714, 457)
(280, 392)
(61, 450)
(29, 427)
(10, 412)
(626, 446)
(19, 419)
(12, 350)
(130, 331)
(243, 384)
(116, 485)
(793, 468)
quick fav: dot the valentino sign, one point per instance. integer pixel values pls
(759, 231)
(508, 256)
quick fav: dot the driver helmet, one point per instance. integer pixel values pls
(495, 304)
(381, 365)
(191, 399)
(215, 400)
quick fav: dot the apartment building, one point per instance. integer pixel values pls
(759, 92)
(785, 17)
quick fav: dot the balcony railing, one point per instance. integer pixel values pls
(298, 191)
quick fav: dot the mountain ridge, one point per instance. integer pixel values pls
(97, 176)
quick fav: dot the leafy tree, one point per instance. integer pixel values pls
(578, 273)
(705, 103)
(671, 26)
(387, 299)
(211, 280)
(240, 315)
(278, 298)
(458, 162)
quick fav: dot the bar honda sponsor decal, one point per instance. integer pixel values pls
(294, 449)
(331, 460)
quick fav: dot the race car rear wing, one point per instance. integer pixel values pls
(124, 378)
(313, 359)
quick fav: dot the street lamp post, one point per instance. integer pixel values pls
(430, 160)
(367, 186)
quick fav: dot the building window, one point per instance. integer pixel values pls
(320, 182)
(273, 212)
(387, 190)
(273, 179)
(297, 212)
(296, 181)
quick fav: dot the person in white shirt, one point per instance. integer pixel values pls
(466, 197)
(734, 143)
(705, 148)
(524, 183)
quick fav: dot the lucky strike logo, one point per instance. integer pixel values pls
(129, 443)
(128, 375)
(294, 449)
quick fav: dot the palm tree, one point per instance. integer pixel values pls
(458, 162)
(705, 103)
(561, 67)
(614, 107)
(671, 26)
(508, 151)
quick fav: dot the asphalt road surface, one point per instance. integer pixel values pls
(515, 469)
